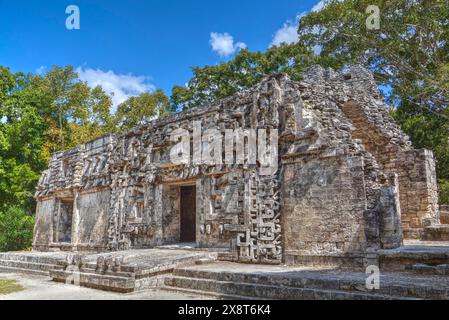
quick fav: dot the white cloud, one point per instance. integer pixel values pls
(41, 70)
(119, 86)
(318, 7)
(288, 33)
(223, 44)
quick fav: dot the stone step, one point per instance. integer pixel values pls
(128, 271)
(110, 281)
(436, 233)
(27, 265)
(255, 290)
(215, 295)
(268, 279)
(442, 269)
(95, 281)
(392, 285)
(22, 270)
(404, 258)
(29, 257)
(225, 256)
(14, 263)
(124, 274)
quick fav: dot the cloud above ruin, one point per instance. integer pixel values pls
(223, 44)
(288, 33)
(119, 86)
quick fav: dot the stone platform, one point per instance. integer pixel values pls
(122, 271)
(226, 279)
(40, 263)
(417, 270)
(414, 253)
(39, 287)
(127, 271)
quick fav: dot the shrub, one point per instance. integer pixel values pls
(444, 191)
(16, 230)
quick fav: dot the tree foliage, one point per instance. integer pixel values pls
(40, 115)
(212, 83)
(43, 114)
(142, 109)
(16, 230)
(409, 56)
(74, 112)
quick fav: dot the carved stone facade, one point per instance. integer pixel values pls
(348, 180)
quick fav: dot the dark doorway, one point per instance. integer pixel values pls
(65, 221)
(188, 214)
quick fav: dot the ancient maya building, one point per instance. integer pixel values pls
(348, 182)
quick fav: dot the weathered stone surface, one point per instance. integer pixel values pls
(406, 257)
(295, 283)
(120, 271)
(348, 181)
(436, 233)
(444, 214)
(30, 262)
(183, 268)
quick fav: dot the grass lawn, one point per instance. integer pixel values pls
(9, 286)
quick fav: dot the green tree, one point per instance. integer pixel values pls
(142, 109)
(38, 116)
(409, 55)
(21, 138)
(16, 230)
(74, 112)
(212, 83)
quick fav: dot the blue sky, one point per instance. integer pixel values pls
(136, 45)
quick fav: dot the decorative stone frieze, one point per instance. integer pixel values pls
(348, 180)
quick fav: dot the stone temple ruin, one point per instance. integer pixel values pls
(349, 182)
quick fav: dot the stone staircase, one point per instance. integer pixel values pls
(126, 271)
(28, 262)
(116, 279)
(414, 271)
(425, 258)
(414, 254)
(440, 269)
(224, 280)
(123, 271)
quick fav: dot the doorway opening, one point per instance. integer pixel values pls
(188, 214)
(65, 221)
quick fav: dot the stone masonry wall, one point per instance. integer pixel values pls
(330, 201)
(338, 206)
(392, 149)
(237, 208)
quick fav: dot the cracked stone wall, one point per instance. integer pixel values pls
(334, 199)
